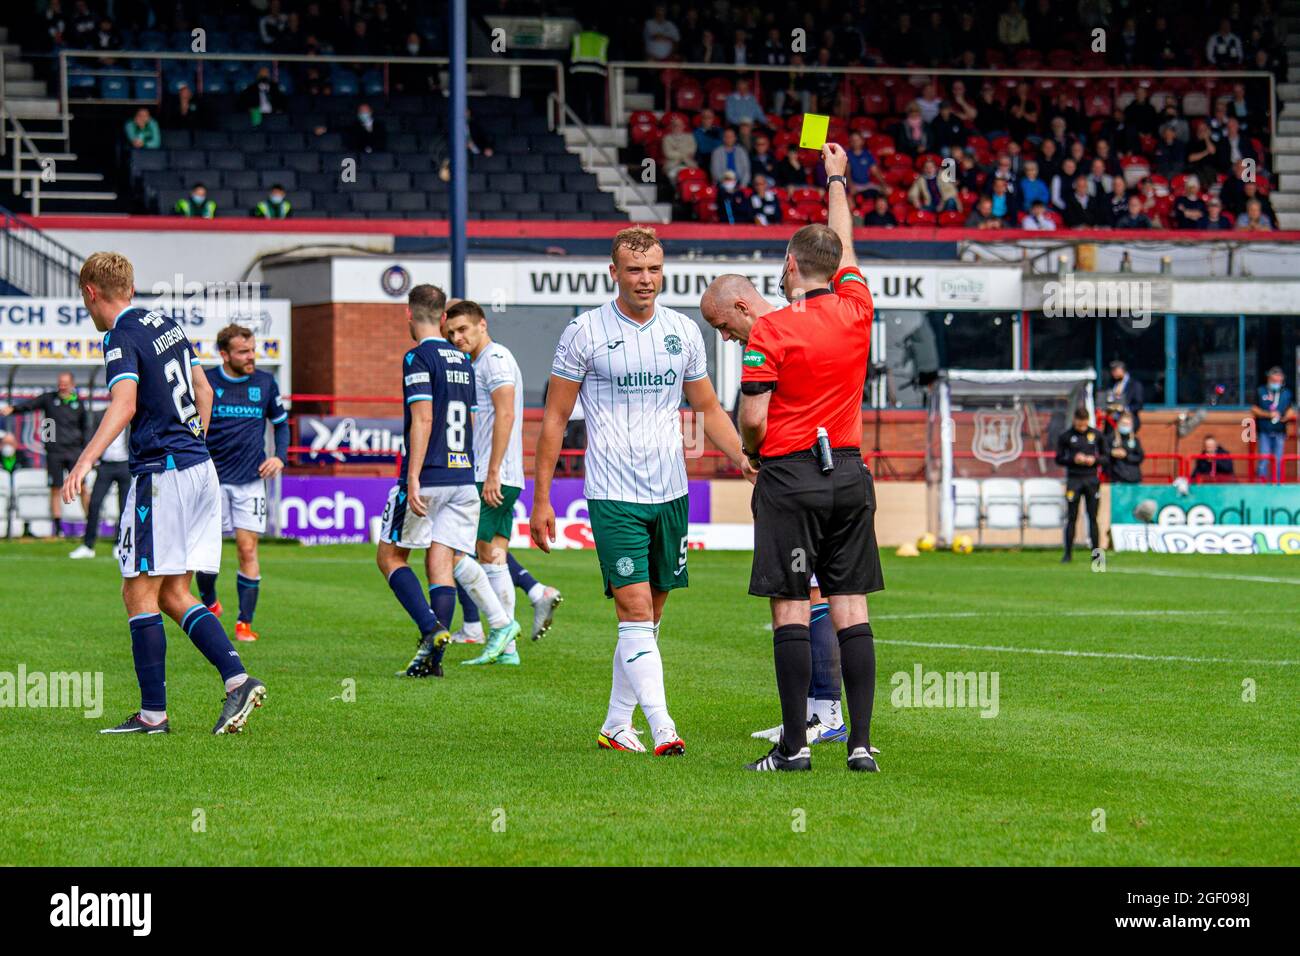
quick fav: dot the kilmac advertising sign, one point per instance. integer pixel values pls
(1210, 519)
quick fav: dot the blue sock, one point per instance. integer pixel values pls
(210, 638)
(406, 586)
(468, 609)
(207, 587)
(149, 648)
(825, 683)
(247, 588)
(519, 574)
(442, 598)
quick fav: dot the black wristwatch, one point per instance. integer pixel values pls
(839, 179)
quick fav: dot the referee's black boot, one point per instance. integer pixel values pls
(861, 759)
(777, 760)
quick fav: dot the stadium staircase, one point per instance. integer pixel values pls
(1286, 198)
(598, 149)
(37, 134)
(33, 264)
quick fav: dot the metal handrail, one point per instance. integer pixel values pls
(32, 261)
(568, 116)
(617, 67)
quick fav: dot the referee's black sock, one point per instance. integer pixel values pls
(858, 660)
(792, 650)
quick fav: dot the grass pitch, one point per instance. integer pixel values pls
(1121, 705)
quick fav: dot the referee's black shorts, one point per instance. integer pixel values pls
(806, 522)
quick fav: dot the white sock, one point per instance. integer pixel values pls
(812, 707)
(473, 628)
(639, 655)
(829, 713)
(498, 576)
(153, 716)
(470, 575)
(622, 698)
(537, 592)
(236, 682)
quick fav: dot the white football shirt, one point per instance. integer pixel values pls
(494, 368)
(631, 395)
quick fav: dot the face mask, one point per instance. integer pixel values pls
(363, 117)
(277, 199)
(1126, 429)
(7, 451)
(200, 200)
(728, 186)
(1275, 386)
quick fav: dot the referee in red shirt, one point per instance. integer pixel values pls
(814, 503)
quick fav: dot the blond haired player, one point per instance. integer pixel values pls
(630, 362)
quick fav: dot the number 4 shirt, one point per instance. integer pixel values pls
(150, 349)
(438, 372)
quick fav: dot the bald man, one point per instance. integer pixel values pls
(732, 305)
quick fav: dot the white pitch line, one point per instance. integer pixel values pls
(1153, 572)
(1013, 612)
(993, 648)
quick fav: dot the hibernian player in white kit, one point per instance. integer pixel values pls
(630, 362)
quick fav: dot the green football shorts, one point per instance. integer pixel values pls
(499, 520)
(638, 543)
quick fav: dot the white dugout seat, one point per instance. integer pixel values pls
(1044, 503)
(31, 494)
(1003, 503)
(966, 503)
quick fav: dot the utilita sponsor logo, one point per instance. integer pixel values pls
(74, 909)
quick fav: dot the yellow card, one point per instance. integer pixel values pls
(813, 133)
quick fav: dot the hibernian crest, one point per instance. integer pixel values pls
(672, 345)
(997, 436)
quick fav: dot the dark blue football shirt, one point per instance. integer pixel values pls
(438, 372)
(241, 407)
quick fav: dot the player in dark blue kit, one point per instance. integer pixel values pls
(436, 505)
(246, 399)
(171, 525)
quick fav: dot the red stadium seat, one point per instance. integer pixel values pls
(951, 218)
(900, 176)
(811, 211)
(921, 217)
(689, 190)
(898, 161)
(691, 172)
(775, 122)
(706, 211)
(666, 123)
(642, 118)
(803, 194)
(927, 157)
(875, 103)
(880, 145)
(1097, 102)
(897, 197)
(901, 211)
(1136, 168)
(689, 97)
(863, 124)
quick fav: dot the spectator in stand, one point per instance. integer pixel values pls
(742, 107)
(142, 131)
(969, 175)
(1062, 183)
(791, 173)
(982, 217)
(962, 108)
(1003, 199)
(1022, 112)
(1037, 218)
(1189, 208)
(880, 214)
(1133, 217)
(1013, 28)
(106, 39)
(1066, 106)
(764, 203)
(1058, 134)
(1171, 117)
(904, 42)
(1140, 116)
(359, 42)
(367, 133)
(273, 25)
(63, 437)
(1212, 463)
(775, 48)
(1099, 181)
(413, 79)
(196, 205)
(929, 102)
(825, 84)
(1119, 200)
(1110, 163)
(795, 95)
(1219, 121)
(1170, 157)
(661, 36)
(936, 44)
(1045, 24)
(678, 148)
(947, 131)
(1223, 49)
(732, 207)
(183, 111)
(1236, 145)
(1215, 220)
(262, 96)
(1116, 130)
(54, 26)
(991, 118)
(730, 157)
(931, 192)
(1241, 107)
(762, 159)
(708, 136)
(1274, 408)
(1151, 204)
(1049, 161)
(865, 174)
(1163, 49)
(276, 205)
(1082, 211)
(707, 49)
(1254, 219)
(971, 38)
(912, 136)
(84, 24)
(739, 52)
(1125, 393)
(1126, 54)
(1124, 465)
(1206, 159)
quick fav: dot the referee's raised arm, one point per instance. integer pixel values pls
(838, 215)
